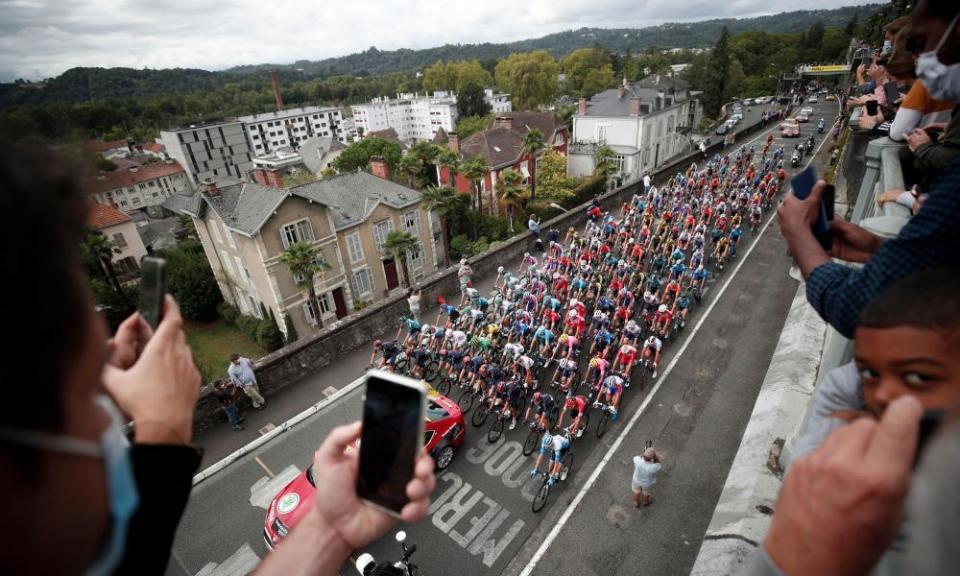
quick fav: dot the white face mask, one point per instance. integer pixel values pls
(942, 81)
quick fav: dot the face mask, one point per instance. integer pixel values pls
(887, 47)
(942, 81)
(113, 448)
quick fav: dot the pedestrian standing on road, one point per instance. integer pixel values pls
(226, 393)
(647, 181)
(646, 466)
(413, 300)
(242, 375)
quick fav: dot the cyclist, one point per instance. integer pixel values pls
(557, 444)
(452, 314)
(413, 330)
(625, 359)
(631, 333)
(563, 376)
(577, 405)
(610, 394)
(596, 369)
(681, 308)
(601, 340)
(388, 351)
(509, 395)
(651, 352)
(545, 336)
(569, 343)
(541, 406)
(721, 250)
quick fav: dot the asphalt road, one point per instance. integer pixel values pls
(481, 520)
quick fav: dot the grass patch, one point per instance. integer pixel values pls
(213, 342)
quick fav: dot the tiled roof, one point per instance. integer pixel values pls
(154, 147)
(611, 103)
(98, 146)
(129, 176)
(245, 206)
(499, 145)
(389, 135)
(103, 216)
(440, 137)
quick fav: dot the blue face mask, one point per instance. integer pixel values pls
(113, 448)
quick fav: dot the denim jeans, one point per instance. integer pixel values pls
(233, 414)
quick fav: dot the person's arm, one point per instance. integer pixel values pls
(937, 156)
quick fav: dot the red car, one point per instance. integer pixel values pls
(444, 433)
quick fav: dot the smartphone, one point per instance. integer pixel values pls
(802, 184)
(872, 107)
(928, 426)
(933, 132)
(892, 93)
(153, 287)
(394, 409)
(867, 59)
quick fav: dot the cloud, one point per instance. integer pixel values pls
(43, 38)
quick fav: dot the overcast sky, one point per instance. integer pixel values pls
(42, 38)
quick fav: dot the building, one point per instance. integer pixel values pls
(120, 229)
(245, 226)
(210, 151)
(349, 129)
(645, 123)
(501, 148)
(109, 150)
(416, 117)
(289, 128)
(499, 103)
(140, 187)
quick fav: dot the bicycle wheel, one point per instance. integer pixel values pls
(603, 423)
(554, 415)
(540, 500)
(496, 429)
(444, 387)
(466, 399)
(480, 414)
(431, 371)
(532, 441)
(402, 366)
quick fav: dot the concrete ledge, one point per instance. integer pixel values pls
(742, 515)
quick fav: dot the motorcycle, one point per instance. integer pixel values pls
(821, 126)
(795, 158)
(366, 565)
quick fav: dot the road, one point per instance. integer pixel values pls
(481, 520)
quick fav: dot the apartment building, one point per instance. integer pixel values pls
(291, 127)
(143, 187)
(210, 152)
(245, 226)
(416, 117)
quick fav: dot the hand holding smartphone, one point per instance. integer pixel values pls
(153, 288)
(802, 185)
(394, 409)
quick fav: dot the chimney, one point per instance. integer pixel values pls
(582, 106)
(453, 141)
(634, 106)
(209, 187)
(503, 122)
(270, 177)
(276, 90)
(378, 167)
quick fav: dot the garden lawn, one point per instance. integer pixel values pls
(213, 342)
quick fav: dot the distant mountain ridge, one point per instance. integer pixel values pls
(86, 84)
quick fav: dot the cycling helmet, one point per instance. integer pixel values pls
(500, 270)
(564, 338)
(663, 308)
(463, 261)
(425, 328)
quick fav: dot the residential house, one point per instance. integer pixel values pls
(245, 226)
(140, 187)
(120, 229)
(501, 148)
(646, 123)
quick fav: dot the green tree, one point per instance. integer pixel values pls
(510, 192)
(471, 101)
(530, 77)
(552, 179)
(438, 77)
(98, 253)
(442, 201)
(603, 162)
(450, 160)
(736, 81)
(412, 166)
(191, 281)
(470, 73)
(292, 335)
(357, 155)
(587, 70)
(531, 145)
(399, 244)
(474, 170)
(305, 262)
(716, 74)
(470, 125)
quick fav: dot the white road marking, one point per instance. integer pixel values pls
(240, 563)
(264, 489)
(582, 493)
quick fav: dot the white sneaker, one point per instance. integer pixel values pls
(513, 424)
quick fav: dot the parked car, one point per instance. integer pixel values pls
(830, 98)
(444, 432)
(801, 117)
(722, 129)
(736, 118)
(806, 110)
(813, 99)
(789, 128)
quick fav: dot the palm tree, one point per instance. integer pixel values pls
(474, 169)
(451, 161)
(532, 145)
(411, 165)
(100, 251)
(510, 192)
(305, 261)
(399, 244)
(441, 200)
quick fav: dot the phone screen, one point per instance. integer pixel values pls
(802, 184)
(866, 60)
(393, 414)
(890, 89)
(871, 106)
(152, 289)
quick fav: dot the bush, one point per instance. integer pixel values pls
(292, 335)
(115, 307)
(269, 335)
(248, 325)
(228, 312)
(190, 280)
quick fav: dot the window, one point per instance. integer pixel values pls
(240, 266)
(362, 282)
(411, 222)
(601, 133)
(256, 309)
(618, 161)
(155, 194)
(123, 202)
(225, 259)
(380, 231)
(297, 232)
(241, 303)
(415, 257)
(308, 314)
(233, 243)
(324, 300)
(119, 241)
(354, 247)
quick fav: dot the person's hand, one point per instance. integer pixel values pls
(355, 522)
(869, 121)
(159, 390)
(841, 505)
(796, 217)
(889, 196)
(129, 341)
(916, 137)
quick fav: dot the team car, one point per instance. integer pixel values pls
(444, 432)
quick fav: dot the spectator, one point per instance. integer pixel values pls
(646, 466)
(98, 505)
(534, 225)
(243, 376)
(226, 393)
(918, 109)
(929, 240)
(413, 301)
